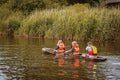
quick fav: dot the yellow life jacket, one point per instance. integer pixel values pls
(94, 50)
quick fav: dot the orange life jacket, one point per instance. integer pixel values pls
(76, 50)
(61, 47)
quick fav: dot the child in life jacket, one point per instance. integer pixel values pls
(75, 50)
(60, 47)
(92, 50)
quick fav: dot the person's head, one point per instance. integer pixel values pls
(89, 43)
(74, 43)
(59, 41)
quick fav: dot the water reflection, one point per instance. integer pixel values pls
(75, 65)
(111, 68)
(72, 65)
(92, 68)
(21, 59)
(11, 68)
(76, 62)
(2, 75)
(60, 62)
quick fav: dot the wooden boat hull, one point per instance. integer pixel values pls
(97, 58)
(83, 56)
(48, 51)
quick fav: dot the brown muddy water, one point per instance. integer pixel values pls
(21, 59)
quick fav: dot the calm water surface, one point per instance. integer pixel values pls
(21, 59)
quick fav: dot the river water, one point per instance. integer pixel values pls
(21, 59)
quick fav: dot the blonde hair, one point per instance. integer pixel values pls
(74, 42)
(59, 41)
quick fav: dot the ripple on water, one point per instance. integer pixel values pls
(26, 63)
(111, 68)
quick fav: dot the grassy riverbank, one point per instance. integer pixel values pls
(78, 22)
(97, 24)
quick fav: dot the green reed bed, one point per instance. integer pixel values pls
(76, 23)
(10, 21)
(96, 23)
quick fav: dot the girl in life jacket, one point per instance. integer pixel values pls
(92, 50)
(75, 48)
(60, 47)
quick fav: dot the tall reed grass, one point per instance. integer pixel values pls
(11, 23)
(76, 23)
(96, 23)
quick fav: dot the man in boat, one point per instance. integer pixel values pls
(92, 50)
(60, 48)
(75, 50)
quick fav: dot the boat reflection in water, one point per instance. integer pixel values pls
(92, 68)
(60, 63)
(68, 68)
(75, 65)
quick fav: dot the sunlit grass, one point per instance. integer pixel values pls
(95, 23)
(78, 22)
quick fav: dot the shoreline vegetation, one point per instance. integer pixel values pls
(75, 22)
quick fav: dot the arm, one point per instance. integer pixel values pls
(57, 47)
(86, 48)
(72, 50)
(69, 51)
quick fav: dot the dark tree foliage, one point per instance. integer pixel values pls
(3, 1)
(27, 6)
(91, 2)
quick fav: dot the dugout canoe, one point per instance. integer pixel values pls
(83, 56)
(97, 58)
(48, 51)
